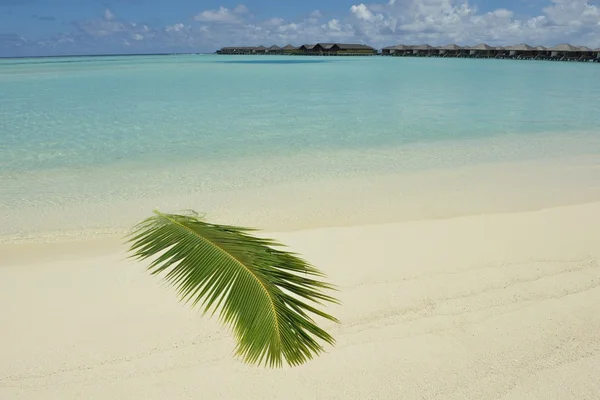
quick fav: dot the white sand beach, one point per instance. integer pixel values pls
(489, 306)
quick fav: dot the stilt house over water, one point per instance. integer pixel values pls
(318, 49)
(560, 52)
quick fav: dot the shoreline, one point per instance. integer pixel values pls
(97, 242)
(335, 202)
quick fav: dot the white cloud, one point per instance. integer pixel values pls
(175, 28)
(109, 15)
(362, 12)
(222, 15)
(273, 22)
(445, 21)
(378, 24)
(334, 25)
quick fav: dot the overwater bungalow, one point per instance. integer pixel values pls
(585, 53)
(306, 49)
(562, 51)
(324, 47)
(274, 50)
(521, 51)
(398, 50)
(388, 51)
(450, 50)
(338, 49)
(260, 50)
(567, 52)
(355, 49)
(423, 50)
(482, 50)
(542, 53)
(289, 49)
(502, 52)
(236, 50)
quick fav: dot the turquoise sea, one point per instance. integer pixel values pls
(99, 130)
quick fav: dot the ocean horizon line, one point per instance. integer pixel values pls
(102, 55)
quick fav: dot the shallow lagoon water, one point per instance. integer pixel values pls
(78, 131)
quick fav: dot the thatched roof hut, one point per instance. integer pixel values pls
(397, 49)
(520, 47)
(450, 47)
(482, 50)
(521, 51)
(481, 46)
(338, 49)
(563, 47)
(422, 47)
(325, 46)
(402, 47)
(450, 50)
(345, 46)
(563, 51)
(236, 50)
(290, 47)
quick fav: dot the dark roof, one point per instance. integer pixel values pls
(274, 47)
(342, 46)
(520, 47)
(326, 46)
(238, 48)
(422, 47)
(450, 47)
(481, 46)
(260, 48)
(351, 46)
(564, 47)
(398, 47)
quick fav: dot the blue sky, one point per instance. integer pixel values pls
(47, 27)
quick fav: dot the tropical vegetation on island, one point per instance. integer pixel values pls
(267, 296)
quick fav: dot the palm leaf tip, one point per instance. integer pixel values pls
(266, 295)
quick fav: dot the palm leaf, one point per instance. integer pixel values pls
(260, 291)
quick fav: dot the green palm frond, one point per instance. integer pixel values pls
(261, 292)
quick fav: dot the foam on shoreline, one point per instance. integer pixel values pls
(343, 201)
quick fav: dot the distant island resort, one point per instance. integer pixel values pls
(561, 52)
